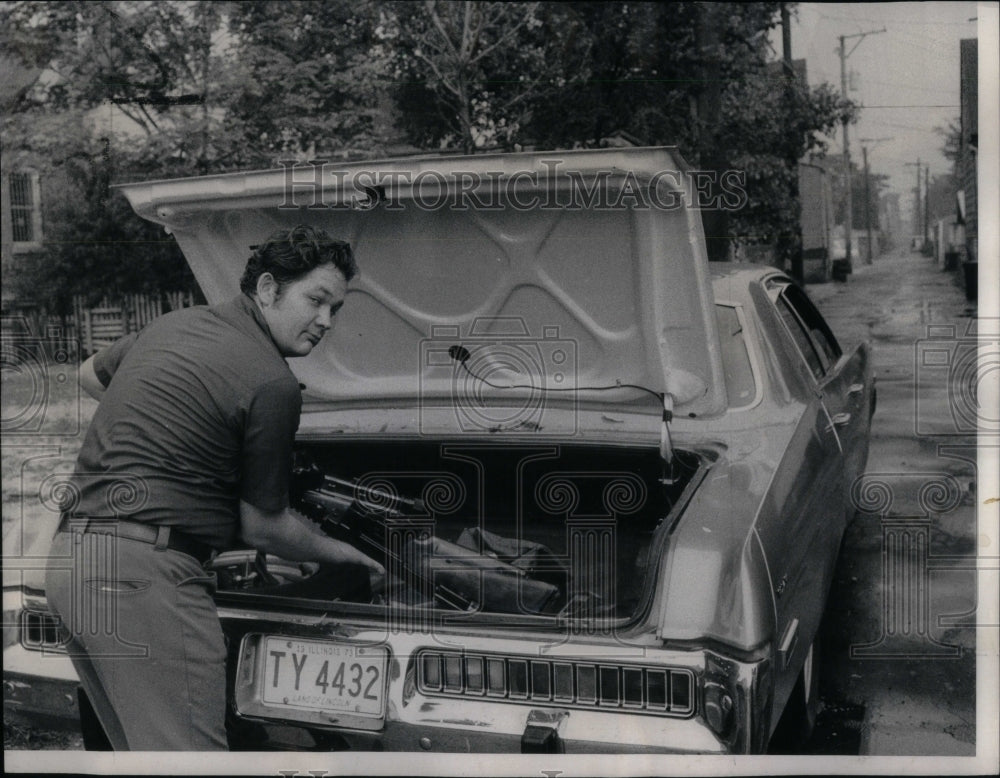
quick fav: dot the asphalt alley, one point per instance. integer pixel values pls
(898, 672)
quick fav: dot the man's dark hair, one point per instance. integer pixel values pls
(291, 254)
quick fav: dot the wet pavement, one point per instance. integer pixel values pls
(898, 668)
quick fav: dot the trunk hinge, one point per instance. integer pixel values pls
(666, 445)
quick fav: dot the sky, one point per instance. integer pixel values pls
(907, 78)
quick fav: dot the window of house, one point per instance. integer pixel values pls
(25, 211)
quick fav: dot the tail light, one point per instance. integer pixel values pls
(638, 688)
(42, 632)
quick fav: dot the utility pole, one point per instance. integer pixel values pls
(844, 54)
(868, 198)
(917, 211)
(927, 200)
(868, 208)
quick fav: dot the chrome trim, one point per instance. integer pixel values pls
(788, 643)
(752, 354)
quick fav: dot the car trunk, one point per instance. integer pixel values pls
(519, 530)
(518, 319)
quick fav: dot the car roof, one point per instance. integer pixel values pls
(732, 281)
(734, 270)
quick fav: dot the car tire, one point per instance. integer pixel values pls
(798, 720)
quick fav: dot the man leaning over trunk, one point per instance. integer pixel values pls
(189, 452)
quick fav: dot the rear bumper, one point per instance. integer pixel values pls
(582, 736)
(729, 715)
(40, 690)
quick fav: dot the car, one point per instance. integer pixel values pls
(608, 479)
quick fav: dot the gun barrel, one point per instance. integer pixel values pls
(343, 511)
(373, 497)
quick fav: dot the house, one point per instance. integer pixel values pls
(969, 116)
(20, 200)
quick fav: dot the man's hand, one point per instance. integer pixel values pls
(291, 536)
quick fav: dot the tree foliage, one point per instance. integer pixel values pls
(133, 90)
(469, 74)
(312, 79)
(125, 92)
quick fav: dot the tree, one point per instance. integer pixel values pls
(943, 190)
(156, 67)
(470, 74)
(183, 88)
(951, 147)
(128, 91)
(312, 81)
(96, 245)
(767, 123)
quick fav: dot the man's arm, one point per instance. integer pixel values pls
(97, 370)
(89, 381)
(293, 537)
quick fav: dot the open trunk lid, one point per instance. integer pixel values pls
(572, 270)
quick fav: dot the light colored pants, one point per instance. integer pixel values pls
(146, 640)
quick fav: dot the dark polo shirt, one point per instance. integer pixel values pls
(200, 412)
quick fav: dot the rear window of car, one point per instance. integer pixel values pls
(740, 386)
(802, 340)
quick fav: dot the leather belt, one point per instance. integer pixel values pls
(155, 534)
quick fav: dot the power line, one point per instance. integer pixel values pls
(897, 126)
(892, 21)
(911, 106)
(903, 85)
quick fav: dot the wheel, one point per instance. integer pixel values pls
(798, 721)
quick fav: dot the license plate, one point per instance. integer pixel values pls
(324, 676)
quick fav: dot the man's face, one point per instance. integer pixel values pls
(303, 312)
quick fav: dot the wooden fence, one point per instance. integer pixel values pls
(92, 327)
(99, 326)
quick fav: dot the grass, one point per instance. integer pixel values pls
(45, 417)
(20, 738)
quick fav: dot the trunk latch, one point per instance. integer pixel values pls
(666, 445)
